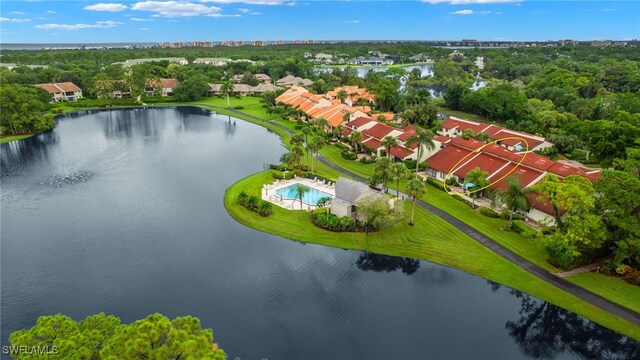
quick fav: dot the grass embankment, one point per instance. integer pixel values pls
(430, 239)
(609, 287)
(462, 114)
(8, 138)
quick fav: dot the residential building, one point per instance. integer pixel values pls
(172, 60)
(66, 91)
(348, 194)
(161, 87)
(511, 139)
(290, 80)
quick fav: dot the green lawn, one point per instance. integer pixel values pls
(430, 239)
(5, 139)
(462, 114)
(606, 286)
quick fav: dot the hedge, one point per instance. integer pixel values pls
(438, 184)
(505, 215)
(331, 222)
(523, 229)
(463, 200)
(487, 211)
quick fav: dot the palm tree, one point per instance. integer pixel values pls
(422, 138)
(514, 196)
(317, 143)
(300, 191)
(415, 188)
(306, 131)
(320, 123)
(382, 172)
(338, 131)
(388, 142)
(227, 87)
(355, 138)
(296, 140)
(398, 172)
(478, 178)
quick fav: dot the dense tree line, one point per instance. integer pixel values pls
(105, 337)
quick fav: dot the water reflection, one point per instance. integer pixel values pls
(23, 153)
(544, 331)
(375, 262)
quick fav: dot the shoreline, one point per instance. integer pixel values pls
(531, 284)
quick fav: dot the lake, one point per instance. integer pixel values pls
(122, 212)
(425, 69)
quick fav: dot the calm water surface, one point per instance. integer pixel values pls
(122, 212)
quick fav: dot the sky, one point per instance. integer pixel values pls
(45, 21)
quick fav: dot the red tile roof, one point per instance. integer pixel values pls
(445, 159)
(358, 122)
(379, 131)
(53, 88)
(484, 161)
(400, 152)
(372, 143)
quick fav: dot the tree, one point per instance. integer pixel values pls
(477, 179)
(104, 337)
(423, 114)
(376, 212)
(342, 94)
(291, 159)
(415, 188)
(398, 173)
(355, 137)
(381, 173)
(618, 204)
(227, 87)
(422, 138)
(306, 131)
(581, 232)
(300, 191)
(192, 88)
(388, 142)
(22, 108)
(514, 196)
(454, 95)
(324, 202)
(316, 145)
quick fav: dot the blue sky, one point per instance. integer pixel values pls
(43, 21)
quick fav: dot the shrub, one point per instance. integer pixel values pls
(438, 184)
(348, 155)
(331, 222)
(56, 111)
(633, 277)
(451, 181)
(489, 212)
(238, 107)
(253, 203)
(505, 215)
(341, 146)
(463, 200)
(365, 160)
(278, 175)
(523, 229)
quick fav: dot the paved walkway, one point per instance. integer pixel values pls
(583, 269)
(582, 293)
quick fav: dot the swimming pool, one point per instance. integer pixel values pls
(311, 197)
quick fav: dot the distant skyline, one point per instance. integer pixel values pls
(42, 21)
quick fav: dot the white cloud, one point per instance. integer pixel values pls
(352, 21)
(144, 28)
(462, 12)
(13, 20)
(106, 7)
(470, 2)
(252, 2)
(218, 15)
(17, 13)
(51, 12)
(139, 19)
(244, 10)
(175, 8)
(255, 13)
(98, 25)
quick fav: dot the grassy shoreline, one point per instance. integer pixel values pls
(621, 293)
(431, 239)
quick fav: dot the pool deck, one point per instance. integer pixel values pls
(269, 192)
